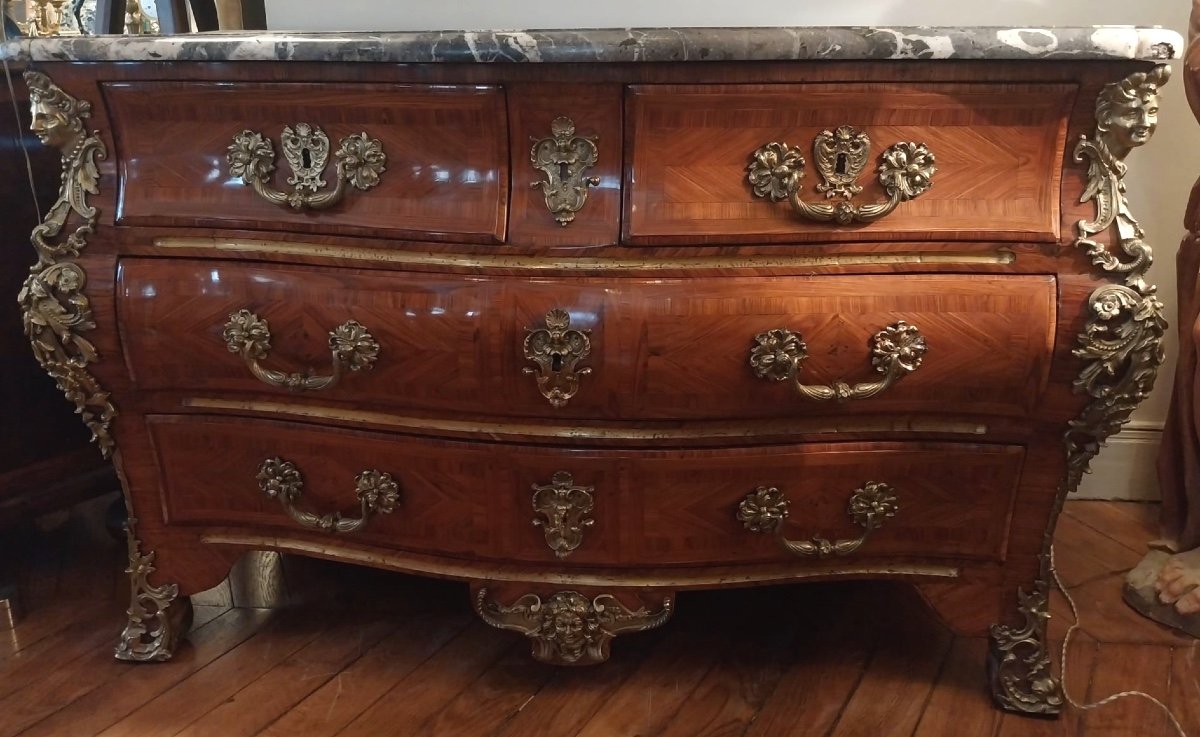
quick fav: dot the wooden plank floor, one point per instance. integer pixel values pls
(399, 656)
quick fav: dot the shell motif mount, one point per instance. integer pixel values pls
(564, 159)
(359, 162)
(905, 172)
(556, 351)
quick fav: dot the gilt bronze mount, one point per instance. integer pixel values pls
(776, 171)
(359, 162)
(377, 493)
(896, 351)
(557, 350)
(765, 509)
(568, 628)
(352, 346)
(564, 159)
(563, 507)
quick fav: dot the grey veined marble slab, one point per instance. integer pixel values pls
(618, 45)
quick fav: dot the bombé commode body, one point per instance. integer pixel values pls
(664, 309)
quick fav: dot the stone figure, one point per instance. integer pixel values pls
(1166, 584)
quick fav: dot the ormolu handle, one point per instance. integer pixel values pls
(765, 509)
(895, 351)
(906, 171)
(351, 346)
(359, 162)
(377, 493)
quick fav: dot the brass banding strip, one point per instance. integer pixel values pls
(421, 565)
(534, 263)
(694, 430)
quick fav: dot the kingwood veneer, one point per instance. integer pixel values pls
(583, 335)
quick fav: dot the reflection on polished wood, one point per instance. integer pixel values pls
(835, 657)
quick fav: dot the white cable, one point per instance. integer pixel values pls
(1063, 662)
(12, 97)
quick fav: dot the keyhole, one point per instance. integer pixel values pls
(562, 171)
(556, 362)
(305, 158)
(840, 165)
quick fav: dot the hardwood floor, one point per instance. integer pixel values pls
(399, 656)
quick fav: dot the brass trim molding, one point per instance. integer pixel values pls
(359, 161)
(556, 350)
(896, 351)
(906, 172)
(1121, 349)
(564, 508)
(693, 431)
(377, 493)
(536, 264)
(568, 628)
(563, 159)
(425, 564)
(765, 509)
(55, 309)
(353, 348)
(157, 617)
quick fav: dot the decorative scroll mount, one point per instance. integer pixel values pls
(563, 159)
(56, 312)
(564, 508)
(377, 493)
(568, 628)
(905, 171)
(1018, 664)
(157, 616)
(359, 162)
(557, 350)
(765, 509)
(353, 348)
(896, 351)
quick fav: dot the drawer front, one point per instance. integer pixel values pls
(656, 349)
(997, 150)
(648, 508)
(444, 176)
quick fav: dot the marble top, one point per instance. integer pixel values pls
(618, 45)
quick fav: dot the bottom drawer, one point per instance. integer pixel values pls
(494, 501)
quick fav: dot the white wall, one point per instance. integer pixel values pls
(1159, 176)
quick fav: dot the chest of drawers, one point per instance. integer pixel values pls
(664, 311)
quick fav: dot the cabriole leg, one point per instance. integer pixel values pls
(1019, 660)
(158, 616)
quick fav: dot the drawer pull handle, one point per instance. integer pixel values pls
(564, 158)
(765, 509)
(377, 493)
(906, 172)
(556, 349)
(896, 351)
(359, 161)
(352, 348)
(564, 508)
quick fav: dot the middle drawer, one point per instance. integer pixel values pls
(633, 348)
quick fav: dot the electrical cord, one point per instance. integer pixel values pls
(1063, 663)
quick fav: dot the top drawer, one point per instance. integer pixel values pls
(997, 149)
(445, 174)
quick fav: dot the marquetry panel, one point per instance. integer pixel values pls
(660, 348)
(952, 500)
(998, 149)
(650, 507)
(446, 174)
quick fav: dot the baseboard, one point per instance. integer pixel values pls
(1124, 470)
